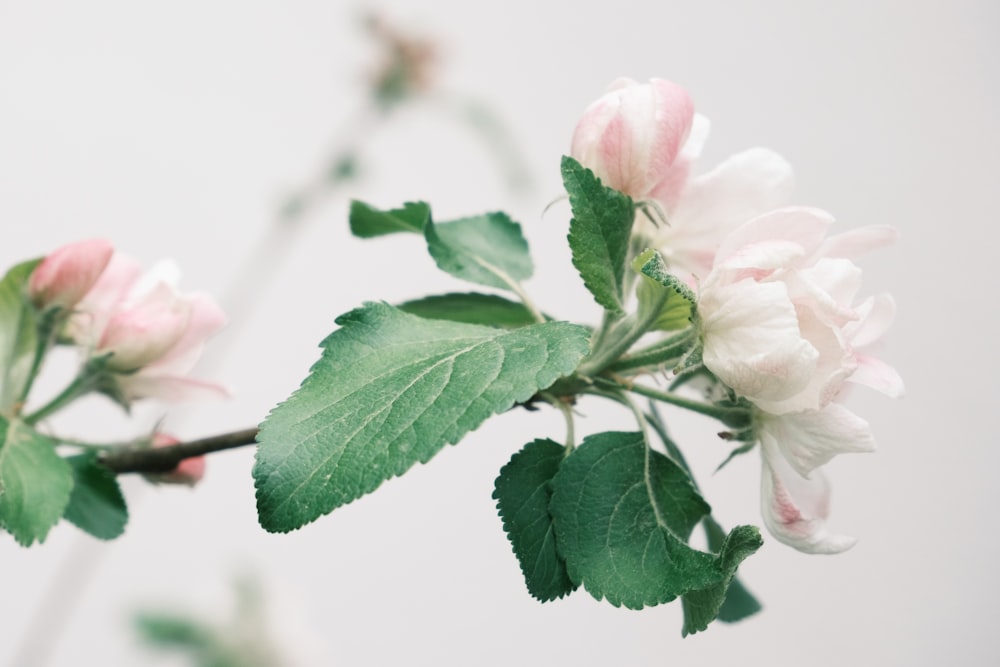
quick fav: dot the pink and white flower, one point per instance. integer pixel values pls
(153, 334)
(632, 137)
(780, 327)
(68, 273)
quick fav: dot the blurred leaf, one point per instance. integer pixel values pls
(368, 222)
(96, 505)
(18, 335)
(35, 483)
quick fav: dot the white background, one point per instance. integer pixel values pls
(176, 130)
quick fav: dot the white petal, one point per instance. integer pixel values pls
(828, 288)
(797, 224)
(744, 186)
(697, 136)
(808, 440)
(875, 316)
(795, 509)
(878, 375)
(857, 242)
(752, 340)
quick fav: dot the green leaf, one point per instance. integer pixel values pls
(522, 492)
(739, 602)
(598, 233)
(701, 607)
(659, 288)
(96, 505)
(391, 390)
(18, 335)
(35, 483)
(623, 514)
(367, 221)
(487, 249)
(471, 308)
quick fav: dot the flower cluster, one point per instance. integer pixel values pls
(778, 312)
(150, 334)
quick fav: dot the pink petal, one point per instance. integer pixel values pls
(65, 276)
(875, 316)
(878, 375)
(856, 242)
(144, 332)
(206, 319)
(795, 509)
(170, 389)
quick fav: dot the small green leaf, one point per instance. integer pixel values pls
(96, 505)
(701, 607)
(471, 308)
(598, 234)
(739, 602)
(677, 311)
(487, 249)
(391, 390)
(35, 483)
(623, 514)
(18, 335)
(522, 492)
(367, 221)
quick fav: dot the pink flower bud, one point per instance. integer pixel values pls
(632, 135)
(189, 471)
(67, 274)
(144, 331)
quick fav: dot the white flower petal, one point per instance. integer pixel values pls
(875, 316)
(808, 440)
(752, 341)
(797, 224)
(856, 242)
(878, 375)
(795, 509)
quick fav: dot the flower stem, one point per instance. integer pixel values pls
(164, 459)
(669, 350)
(86, 381)
(733, 417)
(604, 356)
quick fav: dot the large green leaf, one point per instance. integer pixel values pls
(367, 221)
(35, 483)
(391, 390)
(623, 514)
(671, 296)
(471, 308)
(96, 504)
(523, 490)
(487, 249)
(18, 335)
(598, 233)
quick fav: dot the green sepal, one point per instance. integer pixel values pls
(664, 291)
(35, 483)
(390, 391)
(598, 234)
(471, 308)
(486, 249)
(96, 505)
(623, 514)
(18, 336)
(367, 221)
(740, 602)
(522, 492)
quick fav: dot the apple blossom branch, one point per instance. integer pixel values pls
(165, 459)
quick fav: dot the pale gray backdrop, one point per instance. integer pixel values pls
(175, 129)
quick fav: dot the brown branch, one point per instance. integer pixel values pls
(165, 459)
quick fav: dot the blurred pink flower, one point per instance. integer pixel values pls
(153, 333)
(190, 471)
(68, 273)
(632, 136)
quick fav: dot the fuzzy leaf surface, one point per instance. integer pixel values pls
(96, 505)
(35, 483)
(487, 249)
(389, 391)
(739, 602)
(471, 308)
(368, 222)
(522, 492)
(18, 334)
(598, 233)
(623, 514)
(678, 310)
